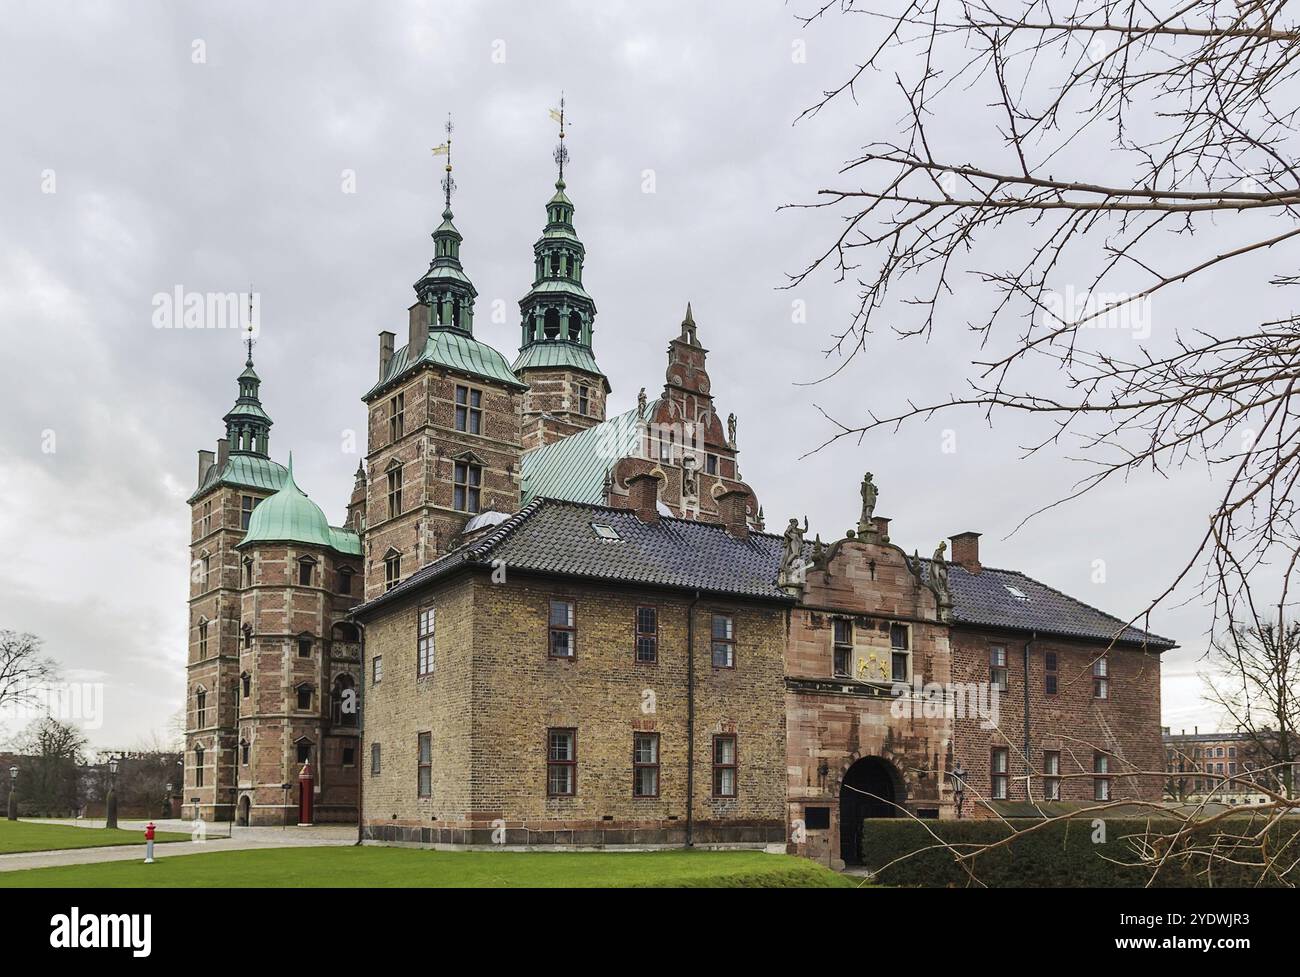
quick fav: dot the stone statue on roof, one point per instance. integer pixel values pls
(869, 493)
(640, 404)
(793, 568)
(731, 429)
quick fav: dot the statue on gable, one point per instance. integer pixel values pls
(793, 568)
(869, 493)
(690, 479)
(939, 578)
(731, 430)
(640, 404)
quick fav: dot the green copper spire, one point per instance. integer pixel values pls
(558, 315)
(248, 426)
(445, 287)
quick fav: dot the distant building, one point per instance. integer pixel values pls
(1221, 768)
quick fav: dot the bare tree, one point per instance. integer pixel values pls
(24, 670)
(1117, 128)
(49, 780)
(1256, 681)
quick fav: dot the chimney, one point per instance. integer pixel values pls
(223, 451)
(643, 487)
(966, 551)
(385, 351)
(881, 524)
(206, 458)
(418, 336)
(731, 510)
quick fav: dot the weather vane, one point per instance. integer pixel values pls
(561, 152)
(448, 184)
(250, 324)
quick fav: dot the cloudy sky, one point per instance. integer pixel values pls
(151, 146)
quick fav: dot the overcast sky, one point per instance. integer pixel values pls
(209, 146)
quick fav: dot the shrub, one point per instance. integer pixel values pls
(1063, 854)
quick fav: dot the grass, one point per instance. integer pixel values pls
(379, 867)
(18, 836)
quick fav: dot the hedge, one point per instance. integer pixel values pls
(1062, 854)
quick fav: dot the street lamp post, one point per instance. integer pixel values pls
(13, 793)
(959, 786)
(110, 802)
(167, 802)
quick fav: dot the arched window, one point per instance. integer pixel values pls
(343, 701)
(245, 684)
(551, 324)
(575, 325)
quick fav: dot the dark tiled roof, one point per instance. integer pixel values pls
(556, 537)
(984, 599)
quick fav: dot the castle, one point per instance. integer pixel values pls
(541, 624)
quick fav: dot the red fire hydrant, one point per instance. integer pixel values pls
(148, 842)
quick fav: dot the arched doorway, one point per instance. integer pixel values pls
(869, 789)
(242, 812)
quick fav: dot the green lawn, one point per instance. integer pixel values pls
(376, 867)
(18, 836)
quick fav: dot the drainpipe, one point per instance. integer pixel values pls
(362, 757)
(690, 721)
(1029, 773)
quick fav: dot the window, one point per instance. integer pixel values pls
(394, 492)
(1101, 783)
(200, 708)
(377, 670)
(561, 762)
(304, 647)
(645, 764)
(563, 632)
(469, 410)
(245, 684)
(207, 568)
(1049, 672)
(584, 401)
(397, 417)
(198, 766)
(424, 765)
(247, 504)
(343, 701)
(606, 532)
(724, 641)
(374, 759)
(842, 657)
(243, 752)
(248, 572)
(468, 482)
(1051, 775)
(900, 659)
(998, 668)
(392, 570)
(304, 751)
(345, 580)
(647, 635)
(424, 642)
(304, 573)
(1101, 681)
(304, 697)
(349, 756)
(817, 818)
(205, 523)
(711, 464)
(998, 775)
(203, 638)
(248, 636)
(724, 766)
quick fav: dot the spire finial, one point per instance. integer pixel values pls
(448, 184)
(249, 338)
(561, 152)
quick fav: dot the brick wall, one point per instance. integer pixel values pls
(1125, 725)
(493, 642)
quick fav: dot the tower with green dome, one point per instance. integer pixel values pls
(443, 440)
(566, 389)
